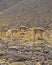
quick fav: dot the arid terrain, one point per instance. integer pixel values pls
(25, 32)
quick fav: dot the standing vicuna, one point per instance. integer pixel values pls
(3, 31)
(38, 33)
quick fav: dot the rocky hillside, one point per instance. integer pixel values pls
(25, 12)
(25, 32)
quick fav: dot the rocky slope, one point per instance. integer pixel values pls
(25, 47)
(26, 12)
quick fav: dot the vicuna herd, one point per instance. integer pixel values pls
(37, 32)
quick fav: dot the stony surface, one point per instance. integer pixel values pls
(28, 13)
(37, 54)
